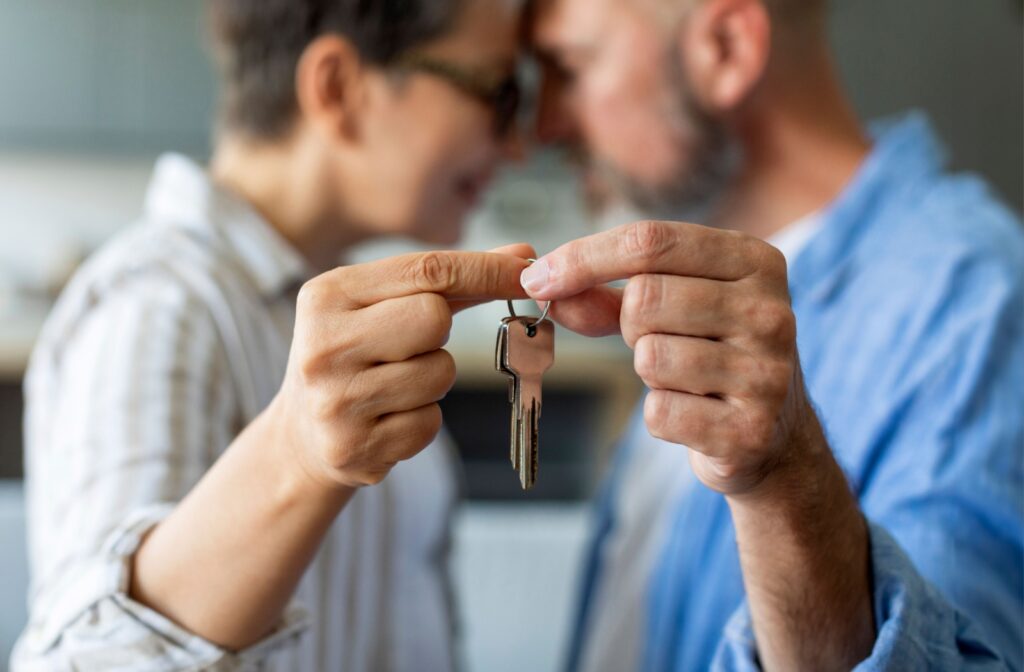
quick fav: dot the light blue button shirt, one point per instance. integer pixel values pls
(910, 310)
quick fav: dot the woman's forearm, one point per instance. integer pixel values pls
(226, 562)
(360, 394)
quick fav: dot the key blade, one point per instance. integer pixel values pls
(529, 354)
(530, 449)
(513, 431)
(530, 405)
(533, 428)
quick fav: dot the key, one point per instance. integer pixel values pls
(529, 353)
(500, 355)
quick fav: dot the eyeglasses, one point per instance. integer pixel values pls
(503, 96)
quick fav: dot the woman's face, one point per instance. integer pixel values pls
(428, 148)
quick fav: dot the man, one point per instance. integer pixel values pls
(853, 495)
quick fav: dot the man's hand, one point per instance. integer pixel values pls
(707, 313)
(367, 368)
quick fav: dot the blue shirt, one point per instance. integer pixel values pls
(910, 312)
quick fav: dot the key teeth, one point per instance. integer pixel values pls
(528, 472)
(534, 444)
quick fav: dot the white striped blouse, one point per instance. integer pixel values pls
(166, 344)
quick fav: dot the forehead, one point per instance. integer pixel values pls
(555, 21)
(559, 24)
(486, 31)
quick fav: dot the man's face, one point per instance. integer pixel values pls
(614, 86)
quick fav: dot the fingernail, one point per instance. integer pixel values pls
(535, 278)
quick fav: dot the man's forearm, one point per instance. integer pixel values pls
(804, 551)
(226, 562)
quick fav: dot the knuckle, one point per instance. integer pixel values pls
(759, 377)
(312, 296)
(773, 320)
(437, 376)
(435, 314)
(740, 242)
(324, 409)
(782, 324)
(727, 472)
(447, 369)
(433, 272)
(431, 318)
(313, 367)
(656, 412)
(430, 425)
(631, 300)
(748, 372)
(771, 261)
(647, 240)
(778, 379)
(647, 295)
(646, 358)
(309, 371)
(373, 477)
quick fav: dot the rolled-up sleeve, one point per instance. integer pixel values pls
(944, 500)
(917, 627)
(129, 402)
(113, 632)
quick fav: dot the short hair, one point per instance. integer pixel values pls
(786, 11)
(257, 46)
(797, 10)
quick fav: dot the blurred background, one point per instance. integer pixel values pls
(91, 91)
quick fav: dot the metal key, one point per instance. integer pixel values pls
(500, 355)
(529, 351)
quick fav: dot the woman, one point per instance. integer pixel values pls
(199, 450)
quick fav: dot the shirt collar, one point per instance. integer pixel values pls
(182, 194)
(905, 151)
(792, 240)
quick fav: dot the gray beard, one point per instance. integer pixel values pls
(714, 160)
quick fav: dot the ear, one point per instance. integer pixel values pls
(725, 46)
(330, 86)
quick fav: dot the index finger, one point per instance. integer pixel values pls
(459, 276)
(673, 248)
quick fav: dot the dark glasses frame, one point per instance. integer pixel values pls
(503, 96)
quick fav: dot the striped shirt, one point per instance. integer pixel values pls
(161, 350)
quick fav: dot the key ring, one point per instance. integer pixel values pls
(531, 328)
(543, 315)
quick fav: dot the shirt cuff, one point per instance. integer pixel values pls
(93, 613)
(917, 629)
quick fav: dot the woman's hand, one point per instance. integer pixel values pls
(365, 374)
(367, 367)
